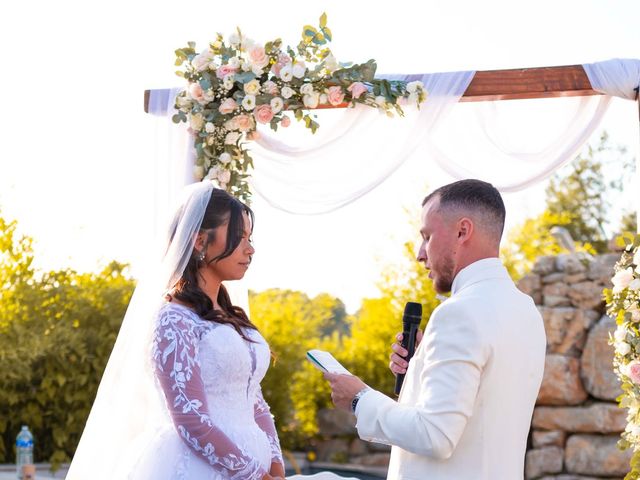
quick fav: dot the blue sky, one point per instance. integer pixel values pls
(77, 149)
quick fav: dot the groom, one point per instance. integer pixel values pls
(468, 395)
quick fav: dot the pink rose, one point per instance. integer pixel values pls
(258, 57)
(263, 113)
(633, 371)
(228, 106)
(244, 123)
(270, 87)
(357, 89)
(283, 60)
(196, 92)
(335, 96)
(285, 122)
(255, 135)
(225, 70)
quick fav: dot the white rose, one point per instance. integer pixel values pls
(415, 87)
(287, 92)
(620, 334)
(323, 98)
(311, 101)
(234, 62)
(249, 102)
(306, 89)
(257, 71)
(184, 103)
(202, 61)
(224, 176)
(252, 87)
(232, 138)
(245, 66)
(227, 82)
(196, 122)
(622, 348)
(224, 158)
(299, 69)
(209, 127)
(277, 104)
(622, 279)
(286, 73)
(635, 430)
(234, 39)
(635, 313)
(331, 63)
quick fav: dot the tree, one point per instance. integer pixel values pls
(57, 330)
(578, 199)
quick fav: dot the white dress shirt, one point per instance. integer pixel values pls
(465, 407)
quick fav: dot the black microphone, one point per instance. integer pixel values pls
(410, 323)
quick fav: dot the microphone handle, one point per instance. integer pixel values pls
(408, 343)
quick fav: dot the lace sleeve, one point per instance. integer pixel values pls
(175, 356)
(264, 419)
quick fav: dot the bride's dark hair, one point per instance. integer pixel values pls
(222, 208)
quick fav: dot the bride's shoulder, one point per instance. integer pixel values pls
(177, 312)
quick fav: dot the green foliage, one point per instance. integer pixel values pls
(56, 333)
(577, 198)
(292, 323)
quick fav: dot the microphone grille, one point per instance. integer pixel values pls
(413, 309)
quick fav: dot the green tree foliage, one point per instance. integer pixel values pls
(293, 323)
(56, 333)
(578, 199)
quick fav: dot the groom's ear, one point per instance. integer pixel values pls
(465, 229)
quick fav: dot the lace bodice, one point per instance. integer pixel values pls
(211, 377)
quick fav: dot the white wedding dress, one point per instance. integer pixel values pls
(222, 426)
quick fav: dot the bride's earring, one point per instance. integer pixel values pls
(201, 256)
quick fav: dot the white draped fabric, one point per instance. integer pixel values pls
(512, 144)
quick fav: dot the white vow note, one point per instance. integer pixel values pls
(325, 362)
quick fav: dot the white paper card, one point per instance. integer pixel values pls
(325, 362)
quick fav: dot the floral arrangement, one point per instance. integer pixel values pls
(235, 84)
(623, 304)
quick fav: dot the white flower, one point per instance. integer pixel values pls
(286, 73)
(299, 69)
(202, 61)
(323, 98)
(234, 39)
(234, 62)
(635, 312)
(212, 174)
(224, 158)
(257, 71)
(227, 82)
(245, 66)
(380, 101)
(209, 127)
(634, 429)
(198, 172)
(196, 122)
(415, 86)
(622, 348)
(224, 176)
(306, 89)
(311, 101)
(413, 98)
(184, 102)
(635, 284)
(287, 92)
(232, 138)
(622, 279)
(330, 63)
(277, 104)
(252, 87)
(620, 334)
(249, 102)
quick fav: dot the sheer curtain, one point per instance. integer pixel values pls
(513, 144)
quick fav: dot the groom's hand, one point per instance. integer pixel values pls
(344, 388)
(398, 364)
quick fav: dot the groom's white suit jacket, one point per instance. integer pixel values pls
(467, 398)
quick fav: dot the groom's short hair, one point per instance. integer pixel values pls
(480, 200)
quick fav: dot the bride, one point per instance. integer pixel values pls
(180, 397)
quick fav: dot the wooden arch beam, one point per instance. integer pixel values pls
(517, 84)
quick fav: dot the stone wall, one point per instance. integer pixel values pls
(576, 422)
